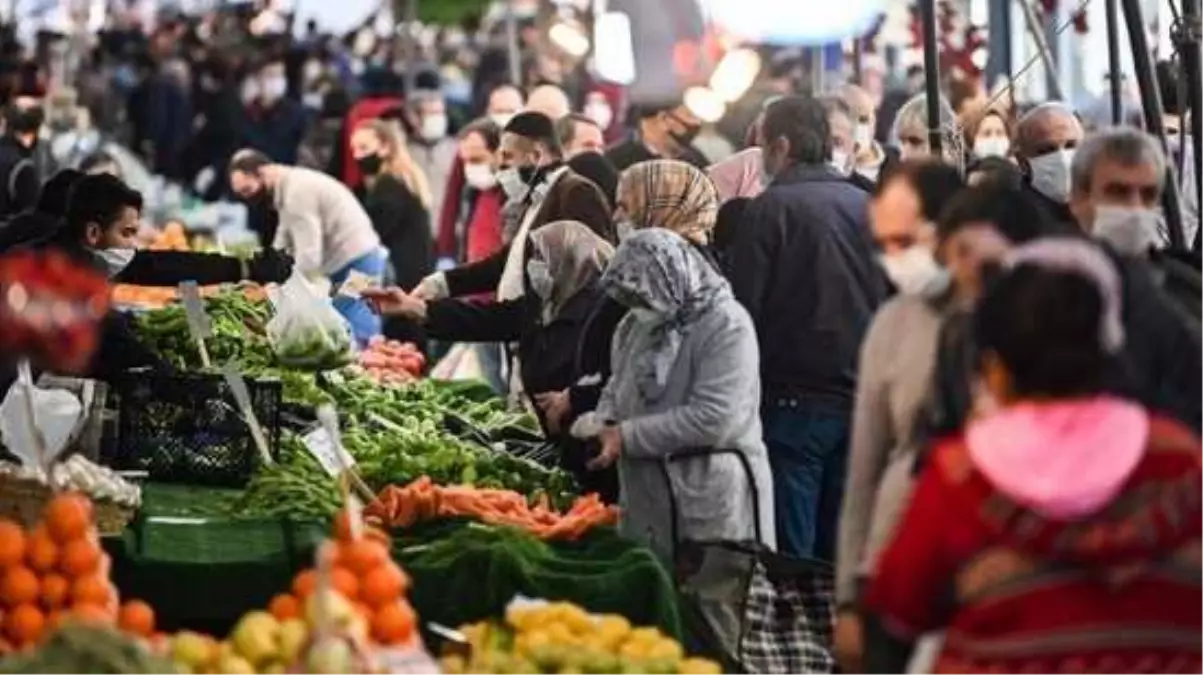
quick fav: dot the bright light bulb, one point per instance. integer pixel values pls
(569, 38)
(704, 104)
(734, 74)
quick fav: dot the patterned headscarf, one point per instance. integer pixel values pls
(657, 270)
(669, 194)
(574, 258)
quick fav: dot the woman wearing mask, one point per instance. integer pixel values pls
(913, 342)
(686, 376)
(989, 135)
(1061, 530)
(396, 197)
(475, 231)
(562, 325)
(911, 131)
(668, 194)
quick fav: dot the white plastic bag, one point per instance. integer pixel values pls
(54, 413)
(307, 332)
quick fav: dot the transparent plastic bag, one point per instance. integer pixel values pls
(307, 332)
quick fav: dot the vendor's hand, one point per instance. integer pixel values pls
(433, 287)
(556, 406)
(611, 447)
(849, 641)
(395, 302)
(270, 266)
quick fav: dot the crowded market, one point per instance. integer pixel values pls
(600, 336)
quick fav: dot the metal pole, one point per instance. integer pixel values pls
(1189, 45)
(857, 58)
(411, 47)
(1150, 99)
(931, 66)
(1033, 24)
(1113, 69)
(512, 47)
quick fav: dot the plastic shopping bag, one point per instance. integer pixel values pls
(36, 424)
(307, 332)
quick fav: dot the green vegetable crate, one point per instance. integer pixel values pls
(187, 428)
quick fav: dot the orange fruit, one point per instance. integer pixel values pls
(12, 544)
(345, 582)
(342, 529)
(25, 624)
(18, 586)
(54, 619)
(79, 558)
(304, 584)
(363, 555)
(68, 517)
(92, 589)
(55, 589)
(88, 612)
(383, 585)
(41, 553)
(393, 623)
(285, 606)
(137, 617)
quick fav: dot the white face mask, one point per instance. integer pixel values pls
(839, 161)
(480, 176)
(434, 127)
(511, 182)
(540, 278)
(313, 100)
(645, 315)
(274, 87)
(997, 146)
(116, 259)
(911, 270)
(501, 119)
(600, 113)
(862, 136)
(1050, 174)
(250, 91)
(623, 227)
(1131, 231)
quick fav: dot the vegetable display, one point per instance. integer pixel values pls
(422, 499)
(87, 648)
(390, 362)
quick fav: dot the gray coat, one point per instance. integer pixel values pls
(712, 400)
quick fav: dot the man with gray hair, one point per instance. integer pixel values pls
(1117, 177)
(871, 158)
(1045, 140)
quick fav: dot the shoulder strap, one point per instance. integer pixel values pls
(13, 174)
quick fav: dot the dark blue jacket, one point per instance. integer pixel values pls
(277, 131)
(803, 264)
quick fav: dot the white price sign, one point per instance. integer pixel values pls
(334, 460)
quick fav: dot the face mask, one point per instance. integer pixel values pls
(623, 227)
(645, 315)
(511, 182)
(434, 127)
(1131, 231)
(862, 136)
(911, 270)
(1050, 174)
(116, 259)
(314, 100)
(600, 113)
(501, 119)
(540, 278)
(991, 147)
(312, 71)
(685, 138)
(369, 164)
(29, 120)
(480, 176)
(274, 88)
(250, 91)
(839, 161)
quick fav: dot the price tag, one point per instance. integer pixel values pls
(198, 321)
(334, 459)
(243, 398)
(355, 284)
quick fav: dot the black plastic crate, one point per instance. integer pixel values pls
(186, 428)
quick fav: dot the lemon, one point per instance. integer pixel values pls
(695, 666)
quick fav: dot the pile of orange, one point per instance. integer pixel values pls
(58, 570)
(364, 573)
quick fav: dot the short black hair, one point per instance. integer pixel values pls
(1044, 325)
(99, 198)
(249, 161)
(998, 170)
(1005, 207)
(537, 127)
(935, 182)
(802, 121)
(53, 198)
(648, 110)
(487, 129)
(96, 159)
(566, 126)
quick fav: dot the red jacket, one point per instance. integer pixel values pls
(1117, 591)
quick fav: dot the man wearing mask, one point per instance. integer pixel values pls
(20, 181)
(539, 189)
(664, 132)
(871, 158)
(276, 124)
(1046, 139)
(803, 264)
(433, 151)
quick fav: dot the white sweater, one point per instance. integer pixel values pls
(322, 224)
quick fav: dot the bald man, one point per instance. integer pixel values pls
(549, 100)
(870, 156)
(505, 101)
(1045, 140)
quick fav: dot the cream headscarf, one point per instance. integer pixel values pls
(672, 195)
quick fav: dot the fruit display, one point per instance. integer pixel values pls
(80, 647)
(389, 362)
(79, 474)
(422, 499)
(57, 571)
(560, 637)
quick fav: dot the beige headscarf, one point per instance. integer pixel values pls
(573, 257)
(669, 194)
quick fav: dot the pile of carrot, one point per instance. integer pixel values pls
(423, 500)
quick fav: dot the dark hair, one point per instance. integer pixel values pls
(248, 161)
(96, 159)
(802, 121)
(53, 198)
(97, 199)
(998, 170)
(599, 170)
(730, 217)
(537, 127)
(487, 129)
(649, 110)
(935, 182)
(1003, 206)
(1044, 325)
(566, 126)
(974, 124)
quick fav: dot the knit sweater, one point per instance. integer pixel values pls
(322, 224)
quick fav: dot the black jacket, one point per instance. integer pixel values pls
(27, 227)
(803, 264)
(20, 181)
(403, 224)
(1055, 213)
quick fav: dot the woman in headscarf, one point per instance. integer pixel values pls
(668, 194)
(912, 137)
(562, 324)
(686, 376)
